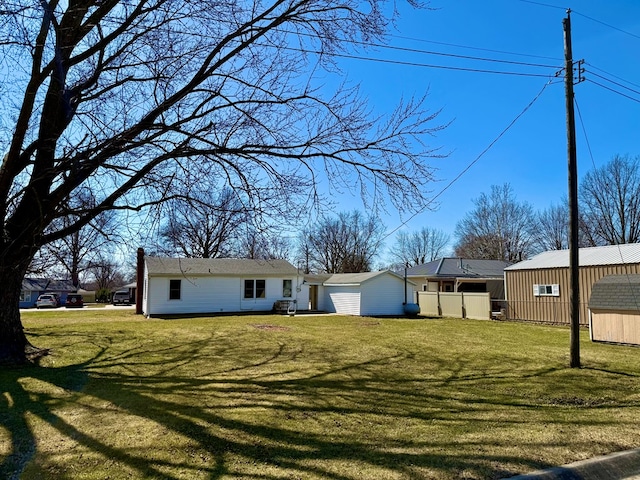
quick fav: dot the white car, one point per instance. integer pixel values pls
(47, 300)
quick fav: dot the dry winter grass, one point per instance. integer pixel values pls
(275, 397)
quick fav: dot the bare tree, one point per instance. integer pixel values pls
(106, 275)
(552, 232)
(133, 100)
(74, 253)
(610, 202)
(266, 244)
(205, 225)
(347, 243)
(418, 247)
(499, 228)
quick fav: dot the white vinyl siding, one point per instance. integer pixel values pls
(208, 295)
(384, 295)
(345, 300)
(198, 295)
(380, 295)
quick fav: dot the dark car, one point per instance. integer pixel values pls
(121, 297)
(74, 300)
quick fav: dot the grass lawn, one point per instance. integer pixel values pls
(278, 397)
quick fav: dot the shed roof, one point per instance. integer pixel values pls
(460, 268)
(590, 256)
(159, 266)
(357, 278)
(616, 292)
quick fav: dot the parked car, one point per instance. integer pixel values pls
(47, 300)
(54, 295)
(121, 297)
(74, 300)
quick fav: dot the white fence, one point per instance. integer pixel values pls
(459, 304)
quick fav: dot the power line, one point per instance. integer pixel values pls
(612, 90)
(615, 83)
(453, 55)
(474, 48)
(418, 64)
(584, 132)
(472, 163)
(605, 24)
(444, 54)
(445, 67)
(544, 4)
(611, 74)
(584, 16)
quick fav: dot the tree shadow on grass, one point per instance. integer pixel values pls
(246, 420)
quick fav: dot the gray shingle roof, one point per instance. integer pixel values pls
(460, 268)
(616, 292)
(609, 255)
(357, 278)
(335, 279)
(162, 266)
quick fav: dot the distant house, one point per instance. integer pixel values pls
(460, 275)
(129, 287)
(32, 288)
(614, 309)
(370, 293)
(538, 289)
(215, 285)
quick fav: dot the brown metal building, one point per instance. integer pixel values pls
(538, 289)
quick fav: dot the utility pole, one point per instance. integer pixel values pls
(574, 295)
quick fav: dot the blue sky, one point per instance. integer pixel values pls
(532, 154)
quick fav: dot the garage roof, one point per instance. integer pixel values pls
(609, 255)
(358, 278)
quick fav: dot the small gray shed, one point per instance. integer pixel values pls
(614, 309)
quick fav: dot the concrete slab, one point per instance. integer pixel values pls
(616, 466)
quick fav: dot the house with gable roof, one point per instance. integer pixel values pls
(217, 285)
(32, 288)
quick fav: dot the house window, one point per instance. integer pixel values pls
(254, 289)
(287, 286)
(552, 290)
(175, 287)
(25, 296)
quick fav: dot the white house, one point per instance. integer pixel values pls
(215, 285)
(369, 293)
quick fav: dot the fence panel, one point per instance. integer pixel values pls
(460, 304)
(428, 302)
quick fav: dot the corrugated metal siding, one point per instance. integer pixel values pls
(384, 295)
(342, 299)
(522, 305)
(628, 253)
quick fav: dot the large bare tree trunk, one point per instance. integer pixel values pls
(14, 347)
